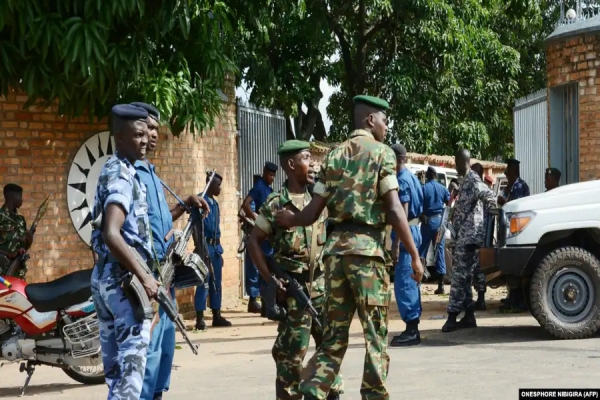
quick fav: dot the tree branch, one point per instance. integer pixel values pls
(372, 31)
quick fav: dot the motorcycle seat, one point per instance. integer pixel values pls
(61, 293)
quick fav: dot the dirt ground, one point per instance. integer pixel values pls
(505, 353)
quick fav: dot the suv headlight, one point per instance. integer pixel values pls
(518, 222)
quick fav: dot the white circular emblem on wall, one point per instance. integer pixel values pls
(83, 178)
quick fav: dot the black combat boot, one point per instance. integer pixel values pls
(200, 324)
(410, 337)
(480, 303)
(333, 396)
(253, 306)
(158, 396)
(468, 321)
(440, 289)
(451, 324)
(218, 320)
(310, 397)
(263, 308)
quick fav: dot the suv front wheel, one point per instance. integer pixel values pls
(565, 293)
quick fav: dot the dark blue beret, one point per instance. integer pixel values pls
(152, 111)
(271, 166)
(512, 161)
(129, 112)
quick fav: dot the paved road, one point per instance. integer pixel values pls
(487, 363)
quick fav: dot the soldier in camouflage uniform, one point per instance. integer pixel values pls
(479, 282)
(293, 253)
(357, 183)
(467, 221)
(121, 203)
(15, 239)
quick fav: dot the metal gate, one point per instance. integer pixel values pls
(260, 133)
(531, 138)
(564, 131)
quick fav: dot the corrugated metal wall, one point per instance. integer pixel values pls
(531, 138)
(261, 133)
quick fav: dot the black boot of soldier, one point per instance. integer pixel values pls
(310, 397)
(480, 303)
(440, 289)
(410, 337)
(263, 308)
(218, 320)
(200, 324)
(253, 306)
(451, 324)
(333, 396)
(468, 321)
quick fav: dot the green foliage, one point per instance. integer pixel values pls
(90, 54)
(450, 68)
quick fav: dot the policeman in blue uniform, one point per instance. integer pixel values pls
(408, 294)
(255, 284)
(212, 234)
(162, 344)
(120, 204)
(435, 195)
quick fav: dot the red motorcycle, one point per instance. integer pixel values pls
(52, 323)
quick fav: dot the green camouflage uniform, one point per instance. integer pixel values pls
(352, 180)
(292, 253)
(13, 231)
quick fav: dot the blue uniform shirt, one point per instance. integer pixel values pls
(120, 184)
(410, 191)
(159, 215)
(435, 195)
(212, 222)
(519, 189)
(259, 193)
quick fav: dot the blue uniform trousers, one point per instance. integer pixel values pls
(212, 287)
(428, 233)
(255, 284)
(408, 293)
(123, 339)
(161, 352)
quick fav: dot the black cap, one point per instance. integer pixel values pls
(554, 172)
(152, 111)
(271, 166)
(129, 112)
(512, 161)
(399, 150)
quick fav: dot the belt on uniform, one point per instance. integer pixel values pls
(213, 241)
(370, 230)
(413, 222)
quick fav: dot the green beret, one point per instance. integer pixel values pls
(376, 102)
(291, 147)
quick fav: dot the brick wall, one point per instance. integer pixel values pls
(577, 59)
(37, 147)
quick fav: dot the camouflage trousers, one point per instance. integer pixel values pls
(353, 283)
(465, 259)
(292, 343)
(123, 339)
(479, 279)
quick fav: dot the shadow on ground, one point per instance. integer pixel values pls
(33, 389)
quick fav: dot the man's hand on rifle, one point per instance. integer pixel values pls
(197, 202)
(150, 285)
(281, 292)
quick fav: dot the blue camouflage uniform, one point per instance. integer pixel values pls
(255, 284)
(435, 195)
(161, 350)
(519, 189)
(212, 234)
(408, 294)
(124, 340)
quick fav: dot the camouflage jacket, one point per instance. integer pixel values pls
(467, 216)
(12, 231)
(352, 180)
(120, 184)
(292, 246)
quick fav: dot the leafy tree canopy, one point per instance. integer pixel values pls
(90, 54)
(451, 69)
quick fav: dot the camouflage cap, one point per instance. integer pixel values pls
(376, 102)
(291, 147)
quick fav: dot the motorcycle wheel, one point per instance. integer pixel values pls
(95, 376)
